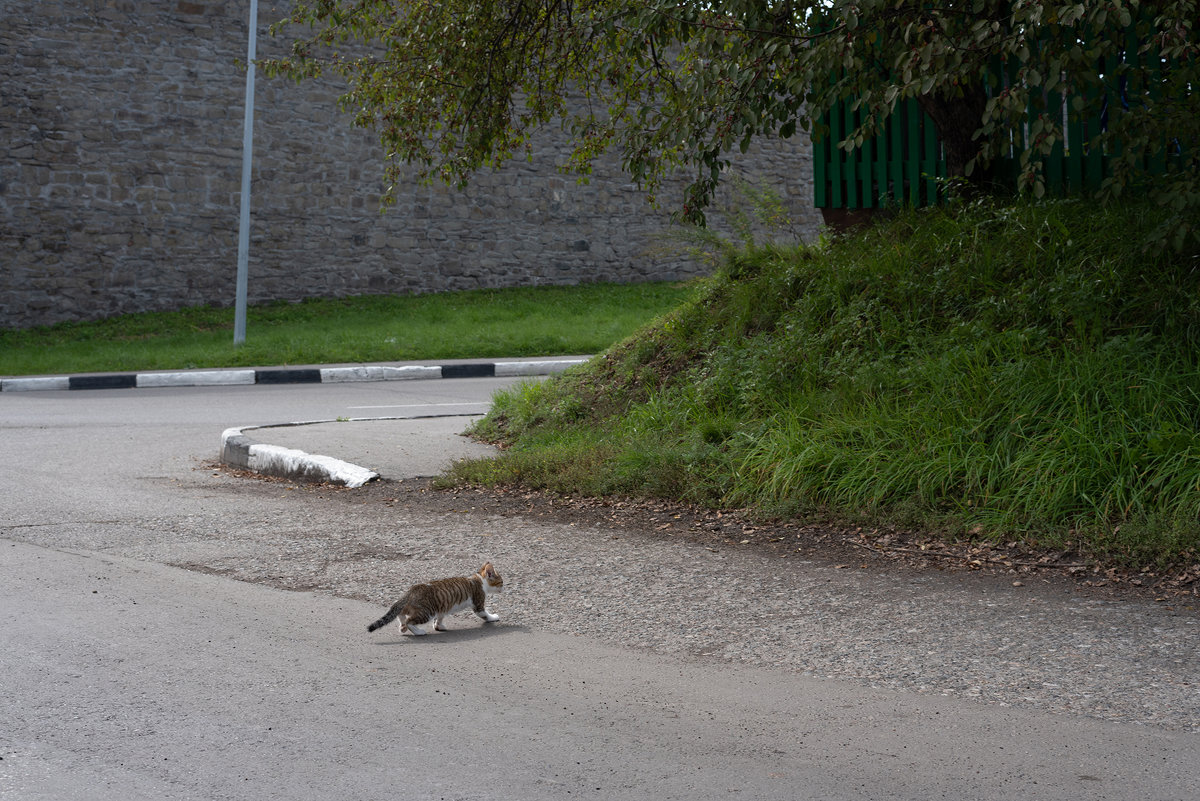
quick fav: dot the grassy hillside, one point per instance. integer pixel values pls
(1028, 372)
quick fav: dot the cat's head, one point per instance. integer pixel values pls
(492, 582)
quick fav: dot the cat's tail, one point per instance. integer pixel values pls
(389, 616)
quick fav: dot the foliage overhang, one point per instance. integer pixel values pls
(455, 86)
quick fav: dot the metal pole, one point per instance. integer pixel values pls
(239, 314)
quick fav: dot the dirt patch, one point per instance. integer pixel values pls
(848, 547)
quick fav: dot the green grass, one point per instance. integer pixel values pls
(474, 324)
(1028, 372)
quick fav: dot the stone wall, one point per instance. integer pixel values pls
(121, 133)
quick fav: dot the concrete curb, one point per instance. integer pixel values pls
(308, 375)
(238, 450)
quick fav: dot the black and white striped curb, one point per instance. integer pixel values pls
(308, 375)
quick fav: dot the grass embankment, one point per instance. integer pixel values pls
(1021, 373)
(477, 324)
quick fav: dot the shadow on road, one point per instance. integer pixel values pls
(458, 635)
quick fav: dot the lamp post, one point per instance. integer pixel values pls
(239, 313)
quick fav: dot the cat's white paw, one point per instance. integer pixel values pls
(489, 617)
(417, 630)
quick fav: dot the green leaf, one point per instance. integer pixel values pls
(460, 85)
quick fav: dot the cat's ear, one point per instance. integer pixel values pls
(487, 570)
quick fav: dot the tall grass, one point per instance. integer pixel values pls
(1026, 371)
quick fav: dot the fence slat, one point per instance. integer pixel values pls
(913, 152)
(896, 154)
(851, 123)
(821, 172)
(837, 200)
(867, 172)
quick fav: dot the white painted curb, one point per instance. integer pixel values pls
(240, 451)
(509, 369)
(274, 460)
(199, 378)
(35, 384)
(339, 375)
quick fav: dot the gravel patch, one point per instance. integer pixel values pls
(783, 600)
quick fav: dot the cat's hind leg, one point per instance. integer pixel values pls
(416, 624)
(437, 624)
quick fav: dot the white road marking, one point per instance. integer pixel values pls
(420, 405)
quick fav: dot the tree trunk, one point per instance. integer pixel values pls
(957, 118)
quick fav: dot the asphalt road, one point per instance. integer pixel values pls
(127, 677)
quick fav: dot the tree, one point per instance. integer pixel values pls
(455, 85)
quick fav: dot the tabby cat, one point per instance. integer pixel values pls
(434, 600)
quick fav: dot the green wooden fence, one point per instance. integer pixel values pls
(901, 165)
(898, 166)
